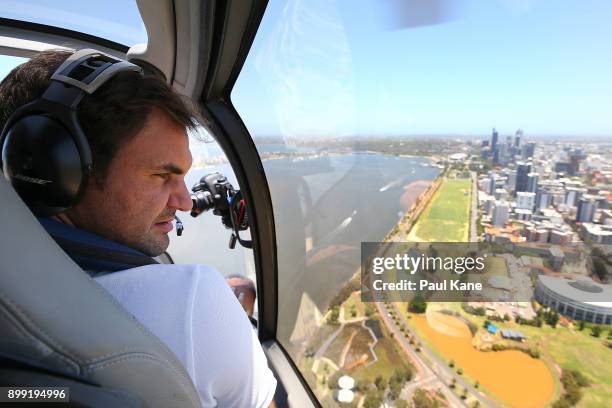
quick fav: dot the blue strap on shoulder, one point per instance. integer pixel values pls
(94, 254)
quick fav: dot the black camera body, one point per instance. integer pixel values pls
(214, 192)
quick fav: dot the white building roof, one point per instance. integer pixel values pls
(581, 290)
(345, 396)
(346, 382)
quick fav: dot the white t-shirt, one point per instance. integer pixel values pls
(194, 312)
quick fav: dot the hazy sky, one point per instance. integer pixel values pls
(394, 67)
(324, 67)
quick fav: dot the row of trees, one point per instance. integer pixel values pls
(573, 381)
(387, 389)
(596, 331)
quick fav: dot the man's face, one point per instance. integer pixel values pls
(143, 188)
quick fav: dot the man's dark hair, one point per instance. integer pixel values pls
(116, 112)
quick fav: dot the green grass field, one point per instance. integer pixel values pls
(390, 361)
(446, 218)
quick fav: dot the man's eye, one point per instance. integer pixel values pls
(164, 176)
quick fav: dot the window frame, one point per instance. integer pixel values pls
(228, 29)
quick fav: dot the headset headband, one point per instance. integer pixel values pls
(84, 71)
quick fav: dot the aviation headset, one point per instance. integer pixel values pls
(45, 154)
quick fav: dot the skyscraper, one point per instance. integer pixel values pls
(517, 138)
(494, 137)
(494, 147)
(586, 209)
(522, 170)
(532, 182)
(525, 200)
(500, 213)
(528, 150)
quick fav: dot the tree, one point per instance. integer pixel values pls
(380, 383)
(334, 315)
(581, 325)
(596, 331)
(400, 403)
(422, 399)
(451, 364)
(477, 384)
(552, 318)
(417, 305)
(464, 394)
(573, 381)
(369, 310)
(394, 389)
(373, 399)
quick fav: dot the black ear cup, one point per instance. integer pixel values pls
(42, 161)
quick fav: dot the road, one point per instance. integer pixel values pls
(426, 377)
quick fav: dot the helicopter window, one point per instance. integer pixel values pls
(341, 97)
(7, 63)
(94, 18)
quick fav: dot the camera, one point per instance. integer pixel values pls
(214, 192)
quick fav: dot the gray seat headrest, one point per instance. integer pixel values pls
(53, 315)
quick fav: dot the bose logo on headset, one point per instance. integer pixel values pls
(45, 154)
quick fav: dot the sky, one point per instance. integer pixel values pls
(325, 68)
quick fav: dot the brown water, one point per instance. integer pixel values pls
(512, 376)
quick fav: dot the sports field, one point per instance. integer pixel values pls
(447, 217)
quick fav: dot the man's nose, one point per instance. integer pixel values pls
(180, 199)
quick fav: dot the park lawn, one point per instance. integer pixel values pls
(446, 218)
(388, 363)
(359, 343)
(572, 349)
(353, 303)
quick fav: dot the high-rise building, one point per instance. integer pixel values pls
(511, 180)
(563, 167)
(501, 194)
(522, 170)
(503, 154)
(532, 182)
(485, 184)
(494, 147)
(586, 209)
(528, 150)
(602, 202)
(517, 138)
(525, 200)
(501, 213)
(543, 199)
(575, 158)
(494, 138)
